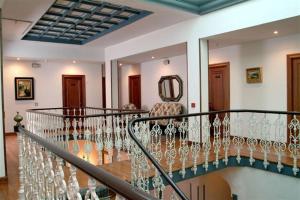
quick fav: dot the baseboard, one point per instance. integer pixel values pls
(3, 179)
(10, 133)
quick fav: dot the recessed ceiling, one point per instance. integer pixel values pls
(79, 22)
(157, 54)
(199, 7)
(265, 31)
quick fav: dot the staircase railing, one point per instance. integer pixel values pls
(47, 171)
(184, 146)
(74, 136)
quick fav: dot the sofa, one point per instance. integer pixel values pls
(166, 109)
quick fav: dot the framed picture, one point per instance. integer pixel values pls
(24, 88)
(254, 75)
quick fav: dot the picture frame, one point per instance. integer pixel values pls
(254, 75)
(24, 88)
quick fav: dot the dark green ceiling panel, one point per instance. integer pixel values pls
(81, 21)
(199, 7)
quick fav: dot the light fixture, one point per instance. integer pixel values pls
(120, 64)
(152, 57)
(275, 32)
(74, 61)
(18, 59)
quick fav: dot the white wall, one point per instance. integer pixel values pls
(190, 31)
(48, 85)
(124, 72)
(269, 54)
(152, 71)
(255, 184)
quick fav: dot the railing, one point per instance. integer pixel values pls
(267, 140)
(69, 138)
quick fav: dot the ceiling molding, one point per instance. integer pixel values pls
(200, 7)
(79, 22)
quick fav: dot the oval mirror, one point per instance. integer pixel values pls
(170, 88)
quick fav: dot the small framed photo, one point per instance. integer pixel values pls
(24, 88)
(254, 75)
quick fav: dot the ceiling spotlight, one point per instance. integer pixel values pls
(152, 57)
(275, 32)
(74, 61)
(18, 59)
(120, 64)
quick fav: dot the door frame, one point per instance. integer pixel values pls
(290, 57)
(82, 88)
(218, 65)
(138, 75)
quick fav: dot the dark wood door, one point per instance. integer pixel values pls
(73, 87)
(134, 84)
(294, 83)
(219, 92)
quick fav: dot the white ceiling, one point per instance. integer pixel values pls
(32, 10)
(157, 54)
(265, 31)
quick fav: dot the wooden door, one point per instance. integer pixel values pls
(219, 92)
(134, 84)
(219, 89)
(73, 87)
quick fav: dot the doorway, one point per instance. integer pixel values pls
(219, 86)
(293, 82)
(134, 85)
(73, 88)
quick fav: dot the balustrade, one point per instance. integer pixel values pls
(189, 145)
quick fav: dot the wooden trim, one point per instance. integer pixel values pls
(10, 134)
(290, 58)
(227, 64)
(82, 87)
(4, 179)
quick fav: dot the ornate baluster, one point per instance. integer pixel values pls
(156, 152)
(127, 140)
(59, 180)
(170, 152)
(226, 137)
(251, 140)
(206, 140)
(194, 130)
(217, 141)
(99, 140)
(88, 148)
(280, 136)
(118, 139)
(265, 141)
(75, 146)
(91, 193)
(238, 140)
(49, 174)
(183, 146)
(21, 166)
(73, 185)
(108, 141)
(294, 146)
